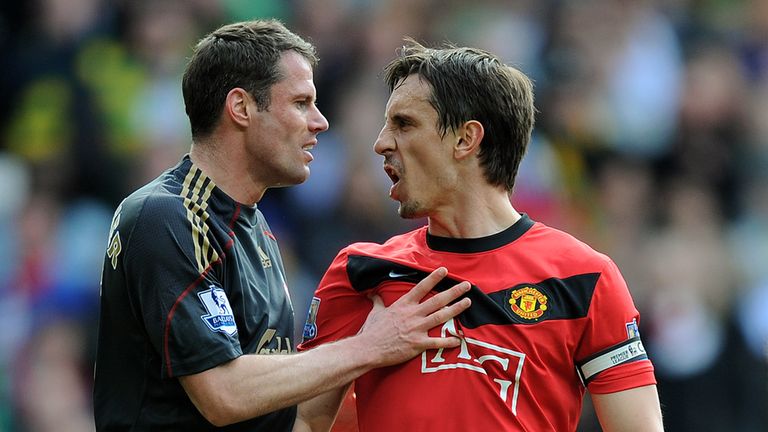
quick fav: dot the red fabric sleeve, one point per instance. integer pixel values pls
(340, 310)
(612, 317)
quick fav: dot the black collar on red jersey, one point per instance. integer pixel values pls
(480, 244)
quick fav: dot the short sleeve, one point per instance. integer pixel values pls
(337, 309)
(171, 262)
(611, 356)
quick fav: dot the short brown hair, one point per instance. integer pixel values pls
(473, 84)
(244, 54)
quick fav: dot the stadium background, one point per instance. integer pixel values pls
(651, 144)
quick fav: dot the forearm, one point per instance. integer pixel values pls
(259, 384)
(273, 382)
(319, 414)
(634, 410)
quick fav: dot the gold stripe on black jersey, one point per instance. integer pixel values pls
(208, 251)
(197, 214)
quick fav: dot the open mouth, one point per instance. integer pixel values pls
(307, 149)
(392, 174)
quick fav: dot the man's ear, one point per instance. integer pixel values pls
(469, 135)
(236, 106)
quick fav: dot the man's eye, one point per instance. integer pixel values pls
(305, 102)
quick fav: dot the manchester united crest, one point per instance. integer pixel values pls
(528, 302)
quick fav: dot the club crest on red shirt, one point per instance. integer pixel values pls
(528, 302)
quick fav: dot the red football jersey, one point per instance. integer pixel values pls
(549, 315)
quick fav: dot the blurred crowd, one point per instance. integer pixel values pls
(651, 144)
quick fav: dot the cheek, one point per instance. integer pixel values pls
(432, 172)
(424, 163)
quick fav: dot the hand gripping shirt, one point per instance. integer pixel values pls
(549, 316)
(191, 280)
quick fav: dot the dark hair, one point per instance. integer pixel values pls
(472, 84)
(245, 55)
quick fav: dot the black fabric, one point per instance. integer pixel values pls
(481, 244)
(191, 279)
(568, 298)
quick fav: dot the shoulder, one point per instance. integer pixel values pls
(153, 200)
(396, 245)
(563, 248)
(151, 212)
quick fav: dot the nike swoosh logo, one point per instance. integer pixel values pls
(396, 274)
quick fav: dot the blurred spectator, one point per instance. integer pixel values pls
(693, 294)
(159, 35)
(52, 393)
(711, 132)
(71, 83)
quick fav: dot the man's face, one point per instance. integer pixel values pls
(283, 135)
(417, 159)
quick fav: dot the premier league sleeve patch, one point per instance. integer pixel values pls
(219, 317)
(310, 327)
(632, 329)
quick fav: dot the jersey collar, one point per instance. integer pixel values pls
(218, 198)
(481, 244)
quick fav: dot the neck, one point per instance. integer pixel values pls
(478, 215)
(227, 169)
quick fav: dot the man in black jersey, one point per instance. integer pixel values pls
(193, 288)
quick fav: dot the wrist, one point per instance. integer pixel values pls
(359, 354)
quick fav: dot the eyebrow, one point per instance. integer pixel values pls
(402, 118)
(305, 93)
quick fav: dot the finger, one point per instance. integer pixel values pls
(422, 288)
(442, 342)
(444, 298)
(442, 315)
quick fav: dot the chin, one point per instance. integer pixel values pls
(301, 176)
(292, 180)
(410, 210)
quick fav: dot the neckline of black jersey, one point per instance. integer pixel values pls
(246, 211)
(481, 244)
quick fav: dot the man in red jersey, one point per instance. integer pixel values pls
(550, 317)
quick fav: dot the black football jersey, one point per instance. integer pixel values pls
(191, 279)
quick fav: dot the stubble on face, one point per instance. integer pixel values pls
(412, 133)
(410, 210)
(288, 129)
(415, 208)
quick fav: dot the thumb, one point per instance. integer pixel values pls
(377, 307)
(378, 303)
